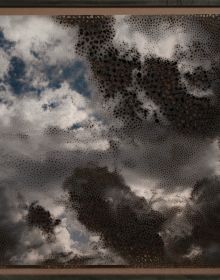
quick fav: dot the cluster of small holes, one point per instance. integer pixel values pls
(121, 77)
(159, 78)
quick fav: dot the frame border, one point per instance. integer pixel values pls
(109, 3)
(101, 10)
(99, 271)
(110, 11)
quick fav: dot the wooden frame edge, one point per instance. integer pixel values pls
(109, 11)
(112, 271)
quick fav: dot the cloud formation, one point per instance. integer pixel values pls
(87, 96)
(126, 223)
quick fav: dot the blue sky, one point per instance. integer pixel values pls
(74, 72)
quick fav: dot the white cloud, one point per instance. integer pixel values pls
(162, 44)
(69, 108)
(32, 115)
(34, 247)
(4, 58)
(40, 34)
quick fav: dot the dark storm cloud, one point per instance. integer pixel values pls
(41, 218)
(66, 259)
(122, 76)
(10, 229)
(174, 160)
(54, 168)
(16, 221)
(174, 142)
(162, 142)
(203, 216)
(126, 223)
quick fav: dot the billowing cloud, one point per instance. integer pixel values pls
(198, 242)
(125, 222)
(46, 127)
(40, 218)
(52, 43)
(87, 96)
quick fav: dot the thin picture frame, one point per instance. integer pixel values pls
(109, 3)
(92, 7)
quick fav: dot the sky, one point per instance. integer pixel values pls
(109, 141)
